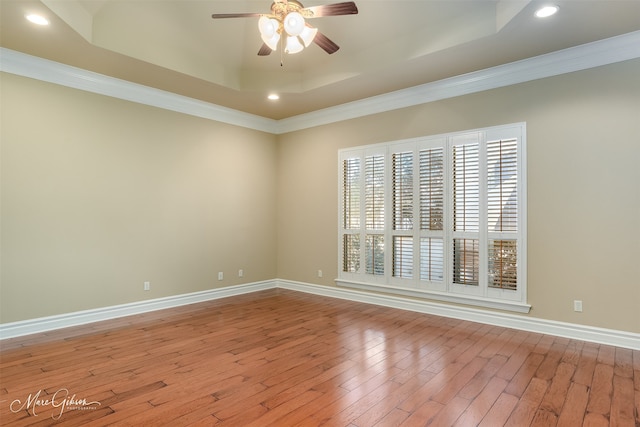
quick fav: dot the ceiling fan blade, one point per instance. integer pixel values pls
(264, 50)
(325, 43)
(345, 8)
(235, 15)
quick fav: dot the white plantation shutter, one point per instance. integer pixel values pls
(466, 210)
(431, 179)
(402, 188)
(351, 214)
(466, 186)
(403, 256)
(374, 254)
(502, 185)
(374, 192)
(503, 264)
(374, 202)
(466, 262)
(402, 206)
(351, 253)
(432, 189)
(351, 193)
(431, 259)
(438, 216)
(502, 213)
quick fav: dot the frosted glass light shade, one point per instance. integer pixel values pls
(294, 24)
(308, 34)
(272, 41)
(267, 26)
(293, 45)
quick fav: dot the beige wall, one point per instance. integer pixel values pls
(100, 195)
(583, 135)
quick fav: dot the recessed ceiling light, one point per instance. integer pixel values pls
(273, 97)
(545, 12)
(37, 19)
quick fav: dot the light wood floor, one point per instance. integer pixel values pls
(283, 358)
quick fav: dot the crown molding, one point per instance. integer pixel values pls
(24, 65)
(603, 52)
(591, 55)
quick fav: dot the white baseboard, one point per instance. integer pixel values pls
(77, 318)
(568, 330)
(526, 323)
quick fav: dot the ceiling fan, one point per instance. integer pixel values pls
(286, 27)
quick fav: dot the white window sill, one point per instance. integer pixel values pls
(506, 305)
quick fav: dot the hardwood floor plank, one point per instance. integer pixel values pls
(544, 418)
(622, 410)
(595, 420)
(482, 378)
(601, 390)
(623, 362)
(548, 367)
(556, 395)
(586, 366)
(574, 409)
(459, 380)
(448, 415)
(636, 383)
(515, 361)
(393, 419)
(528, 404)
(423, 415)
(500, 411)
(281, 358)
(481, 403)
(522, 378)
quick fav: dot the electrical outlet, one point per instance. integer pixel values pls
(577, 306)
(147, 286)
(240, 273)
(220, 275)
(319, 273)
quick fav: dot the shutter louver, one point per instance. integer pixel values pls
(432, 259)
(351, 193)
(374, 192)
(403, 191)
(403, 257)
(374, 256)
(502, 183)
(466, 187)
(431, 189)
(351, 255)
(503, 265)
(466, 261)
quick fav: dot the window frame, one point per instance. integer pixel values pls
(482, 295)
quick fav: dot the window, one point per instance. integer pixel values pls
(440, 217)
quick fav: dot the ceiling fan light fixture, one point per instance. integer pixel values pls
(294, 23)
(268, 26)
(272, 41)
(285, 28)
(293, 45)
(308, 34)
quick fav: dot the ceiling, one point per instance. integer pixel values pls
(174, 45)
